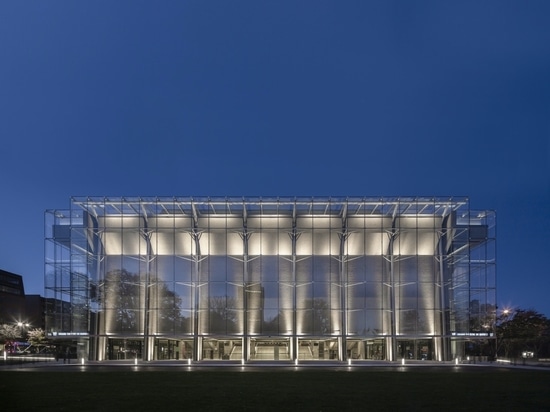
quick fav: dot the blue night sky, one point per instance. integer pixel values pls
(279, 98)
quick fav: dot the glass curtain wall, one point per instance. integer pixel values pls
(271, 278)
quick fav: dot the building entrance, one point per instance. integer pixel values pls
(318, 349)
(370, 349)
(417, 349)
(122, 349)
(172, 349)
(222, 349)
(270, 349)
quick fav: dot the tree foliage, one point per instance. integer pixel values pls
(523, 330)
(36, 336)
(9, 332)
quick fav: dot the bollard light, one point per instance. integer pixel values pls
(189, 361)
(135, 361)
(82, 361)
(403, 361)
(456, 361)
(349, 361)
(296, 362)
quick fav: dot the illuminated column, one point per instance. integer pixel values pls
(196, 236)
(343, 236)
(100, 318)
(245, 235)
(440, 344)
(148, 339)
(294, 236)
(391, 346)
(195, 281)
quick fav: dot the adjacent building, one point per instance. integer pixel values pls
(12, 298)
(270, 279)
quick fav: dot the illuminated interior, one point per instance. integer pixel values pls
(270, 279)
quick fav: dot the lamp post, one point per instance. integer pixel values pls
(23, 328)
(500, 319)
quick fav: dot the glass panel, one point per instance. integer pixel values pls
(304, 320)
(164, 268)
(373, 295)
(356, 296)
(183, 269)
(356, 322)
(217, 268)
(271, 295)
(304, 295)
(375, 268)
(304, 269)
(235, 269)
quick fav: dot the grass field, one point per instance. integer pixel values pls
(447, 389)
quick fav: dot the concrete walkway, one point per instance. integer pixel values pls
(29, 364)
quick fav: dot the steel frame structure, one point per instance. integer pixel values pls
(410, 272)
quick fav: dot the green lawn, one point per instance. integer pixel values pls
(277, 389)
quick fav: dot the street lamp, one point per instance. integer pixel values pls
(23, 327)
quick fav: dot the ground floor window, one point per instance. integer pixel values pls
(318, 349)
(415, 349)
(276, 348)
(366, 349)
(222, 349)
(121, 349)
(270, 349)
(173, 349)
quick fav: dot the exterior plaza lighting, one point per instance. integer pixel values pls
(270, 279)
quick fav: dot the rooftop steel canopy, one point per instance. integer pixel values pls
(290, 206)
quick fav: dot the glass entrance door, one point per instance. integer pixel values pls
(123, 349)
(417, 349)
(317, 349)
(270, 349)
(369, 349)
(222, 349)
(173, 349)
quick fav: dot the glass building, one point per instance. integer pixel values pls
(270, 279)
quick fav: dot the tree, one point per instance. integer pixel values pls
(9, 333)
(523, 330)
(36, 336)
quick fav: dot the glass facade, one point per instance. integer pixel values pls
(270, 279)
